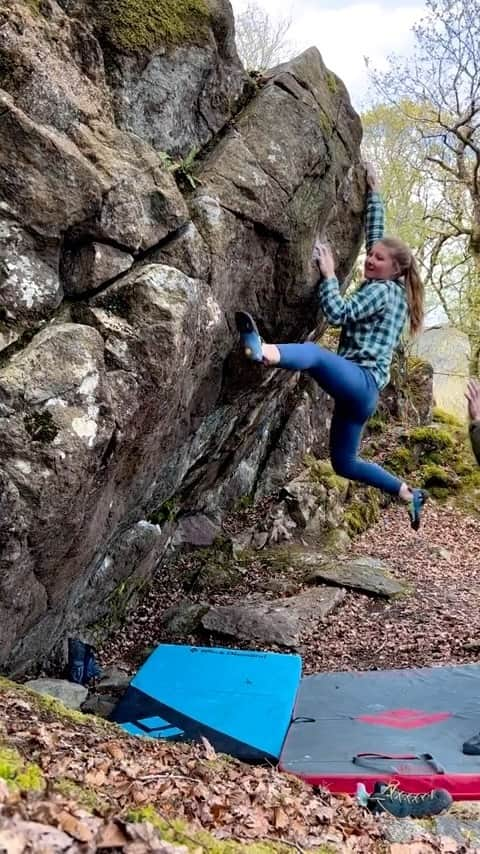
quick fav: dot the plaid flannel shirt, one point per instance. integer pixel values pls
(373, 318)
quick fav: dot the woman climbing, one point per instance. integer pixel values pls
(372, 322)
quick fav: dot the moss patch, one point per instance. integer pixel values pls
(376, 424)
(439, 458)
(439, 480)
(144, 24)
(19, 775)
(401, 461)
(442, 417)
(321, 471)
(118, 604)
(167, 512)
(52, 706)
(332, 83)
(361, 514)
(326, 125)
(178, 832)
(431, 439)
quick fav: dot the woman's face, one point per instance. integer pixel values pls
(379, 263)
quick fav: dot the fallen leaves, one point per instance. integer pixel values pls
(104, 776)
(94, 777)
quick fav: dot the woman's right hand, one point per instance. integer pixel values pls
(371, 177)
(323, 257)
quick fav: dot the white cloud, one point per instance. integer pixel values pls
(345, 35)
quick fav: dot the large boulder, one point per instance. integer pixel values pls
(448, 351)
(124, 402)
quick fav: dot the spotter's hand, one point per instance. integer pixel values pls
(473, 396)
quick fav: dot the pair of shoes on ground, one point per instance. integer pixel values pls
(252, 344)
(388, 798)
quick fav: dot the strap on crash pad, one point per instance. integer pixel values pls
(369, 760)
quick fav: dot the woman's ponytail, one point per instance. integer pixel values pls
(410, 273)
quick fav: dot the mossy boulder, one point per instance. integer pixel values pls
(448, 351)
(439, 458)
(439, 480)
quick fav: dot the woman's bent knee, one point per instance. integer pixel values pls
(344, 467)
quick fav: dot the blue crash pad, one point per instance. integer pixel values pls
(240, 700)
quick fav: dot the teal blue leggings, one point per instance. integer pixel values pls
(355, 393)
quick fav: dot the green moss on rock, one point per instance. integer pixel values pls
(439, 477)
(439, 457)
(214, 568)
(443, 417)
(401, 461)
(167, 512)
(321, 471)
(432, 439)
(19, 775)
(144, 24)
(326, 125)
(332, 83)
(376, 424)
(178, 832)
(52, 706)
(361, 514)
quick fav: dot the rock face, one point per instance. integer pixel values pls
(123, 400)
(448, 351)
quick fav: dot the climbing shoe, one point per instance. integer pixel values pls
(389, 798)
(249, 336)
(472, 746)
(416, 506)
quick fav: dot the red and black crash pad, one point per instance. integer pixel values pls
(406, 726)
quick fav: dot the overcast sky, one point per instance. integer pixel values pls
(346, 30)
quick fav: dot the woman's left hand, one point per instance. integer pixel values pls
(323, 257)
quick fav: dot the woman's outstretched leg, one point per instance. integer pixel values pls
(355, 393)
(345, 436)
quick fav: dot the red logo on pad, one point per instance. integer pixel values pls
(405, 718)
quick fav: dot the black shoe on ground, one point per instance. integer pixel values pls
(390, 799)
(472, 746)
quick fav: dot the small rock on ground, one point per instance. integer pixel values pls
(281, 621)
(68, 693)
